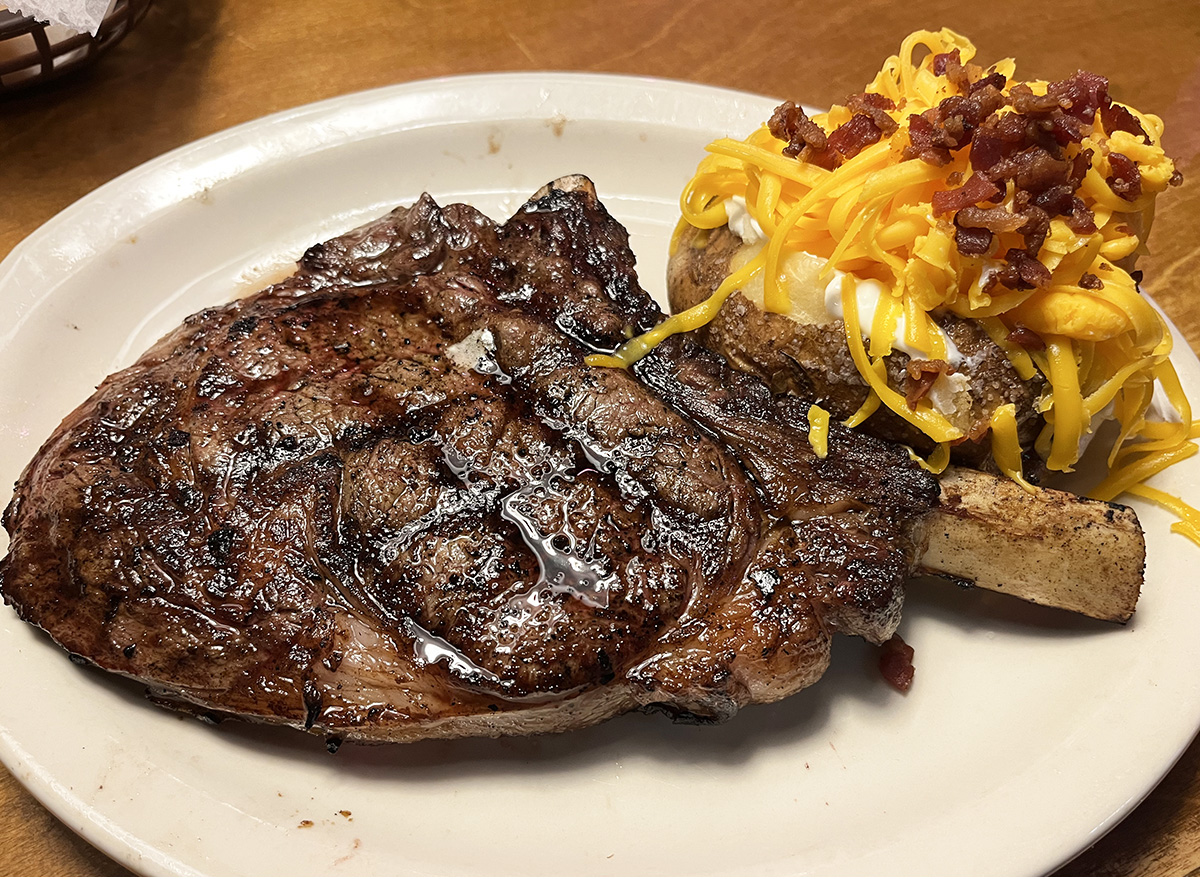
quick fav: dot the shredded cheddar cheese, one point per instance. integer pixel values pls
(870, 216)
(818, 430)
(697, 316)
(1004, 443)
(936, 462)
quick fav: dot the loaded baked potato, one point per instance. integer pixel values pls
(945, 259)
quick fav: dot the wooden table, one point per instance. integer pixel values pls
(195, 67)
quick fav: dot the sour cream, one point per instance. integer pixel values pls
(1161, 408)
(741, 223)
(868, 293)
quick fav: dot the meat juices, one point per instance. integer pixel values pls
(388, 500)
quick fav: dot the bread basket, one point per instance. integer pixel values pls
(34, 52)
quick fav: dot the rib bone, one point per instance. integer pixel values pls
(1048, 547)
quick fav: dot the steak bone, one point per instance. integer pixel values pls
(1049, 547)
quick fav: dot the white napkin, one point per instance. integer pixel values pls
(77, 15)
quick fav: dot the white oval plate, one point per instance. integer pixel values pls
(1026, 735)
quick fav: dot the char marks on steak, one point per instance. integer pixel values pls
(387, 499)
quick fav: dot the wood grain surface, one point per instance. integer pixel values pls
(195, 67)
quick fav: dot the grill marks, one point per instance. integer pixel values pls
(386, 499)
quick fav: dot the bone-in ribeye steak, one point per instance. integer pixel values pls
(387, 499)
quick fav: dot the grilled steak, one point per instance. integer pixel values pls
(387, 499)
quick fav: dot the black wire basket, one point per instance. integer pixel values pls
(33, 52)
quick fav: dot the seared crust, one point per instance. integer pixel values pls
(387, 499)
(813, 361)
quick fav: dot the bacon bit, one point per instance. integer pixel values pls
(895, 663)
(1079, 167)
(995, 219)
(1088, 281)
(1117, 118)
(975, 190)
(1024, 101)
(918, 368)
(1023, 272)
(1034, 170)
(875, 106)
(1057, 201)
(952, 123)
(1066, 129)
(995, 79)
(828, 158)
(921, 376)
(1031, 274)
(996, 139)
(1035, 230)
(1081, 220)
(854, 136)
(1126, 179)
(862, 101)
(1081, 95)
(1046, 123)
(1026, 338)
(954, 70)
(943, 59)
(967, 78)
(790, 124)
(970, 112)
(926, 142)
(971, 241)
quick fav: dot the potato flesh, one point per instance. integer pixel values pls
(801, 271)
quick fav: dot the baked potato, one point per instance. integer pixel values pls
(804, 352)
(945, 259)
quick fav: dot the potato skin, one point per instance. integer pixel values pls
(813, 360)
